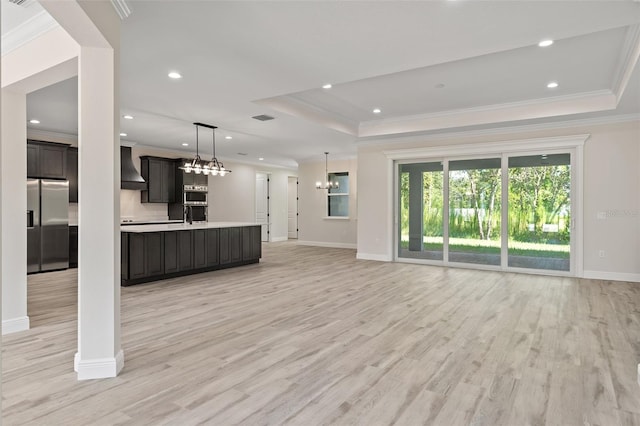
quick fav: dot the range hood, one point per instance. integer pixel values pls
(129, 176)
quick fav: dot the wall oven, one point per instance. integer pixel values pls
(195, 195)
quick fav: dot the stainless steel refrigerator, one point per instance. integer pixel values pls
(47, 225)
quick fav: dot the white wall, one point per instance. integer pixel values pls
(611, 185)
(314, 226)
(233, 197)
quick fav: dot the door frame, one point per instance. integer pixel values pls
(268, 204)
(574, 145)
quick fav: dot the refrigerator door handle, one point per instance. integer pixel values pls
(29, 219)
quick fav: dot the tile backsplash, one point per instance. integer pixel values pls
(132, 209)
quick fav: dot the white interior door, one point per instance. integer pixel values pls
(292, 202)
(262, 203)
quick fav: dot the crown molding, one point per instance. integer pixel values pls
(122, 8)
(47, 135)
(593, 101)
(613, 119)
(515, 145)
(627, 61)
(27, 31)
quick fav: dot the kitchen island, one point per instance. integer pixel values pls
(157, 252)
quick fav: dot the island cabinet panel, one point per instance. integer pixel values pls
(251, 242)
(136, 256)
(213, 244)
(230, 245)
(170, 252)
(154, 254)
(199, 248)
(235, 244)
(224, 252)
(160, 253)
(185, 250)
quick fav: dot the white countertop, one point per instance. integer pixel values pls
(183, 226)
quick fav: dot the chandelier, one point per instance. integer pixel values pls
(328, 184)
(197, 166)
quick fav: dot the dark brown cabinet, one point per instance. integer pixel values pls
(136, 256)
(46, 160)
(251, 242)
(160, 176)
(230, 245)
(170, 252)
(144, 255)
(185, 248)
(73, 246)
(72, 174)
(199, 248)
(154, 254)
(213, 243)
(150, 256)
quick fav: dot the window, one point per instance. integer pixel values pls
(338, 198)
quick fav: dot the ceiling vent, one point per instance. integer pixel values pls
(263, 117)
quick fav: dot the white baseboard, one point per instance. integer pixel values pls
(279, 239)
(327, 244)
(14, 325)
(377, 257)
(100, 368)
(612, 276)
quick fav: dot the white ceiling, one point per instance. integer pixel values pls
(240, 59)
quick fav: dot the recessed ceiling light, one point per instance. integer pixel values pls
(175, 75)
(185, 144)
(34, 121)
(261, 158)
(552, 85)
(228, 137)
(128, 117)
(327, 86)
(545, 43)
(123, 134)
(377, 111)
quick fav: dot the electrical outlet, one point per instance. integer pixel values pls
(601, 253)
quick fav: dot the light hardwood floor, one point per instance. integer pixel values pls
(312, 336)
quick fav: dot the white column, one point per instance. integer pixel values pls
(13, 166)
(99, 351)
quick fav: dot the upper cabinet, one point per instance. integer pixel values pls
(160, 174)
(72, 174)
(46, 160)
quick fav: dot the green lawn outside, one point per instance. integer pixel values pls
(516, 248)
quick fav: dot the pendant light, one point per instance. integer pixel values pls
(194, 165)
(216, 168)
(329, 184)
(197, 166)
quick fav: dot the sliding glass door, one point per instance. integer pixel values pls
(540, 211)
(421, 211)
(474, 211)
(456, 211)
